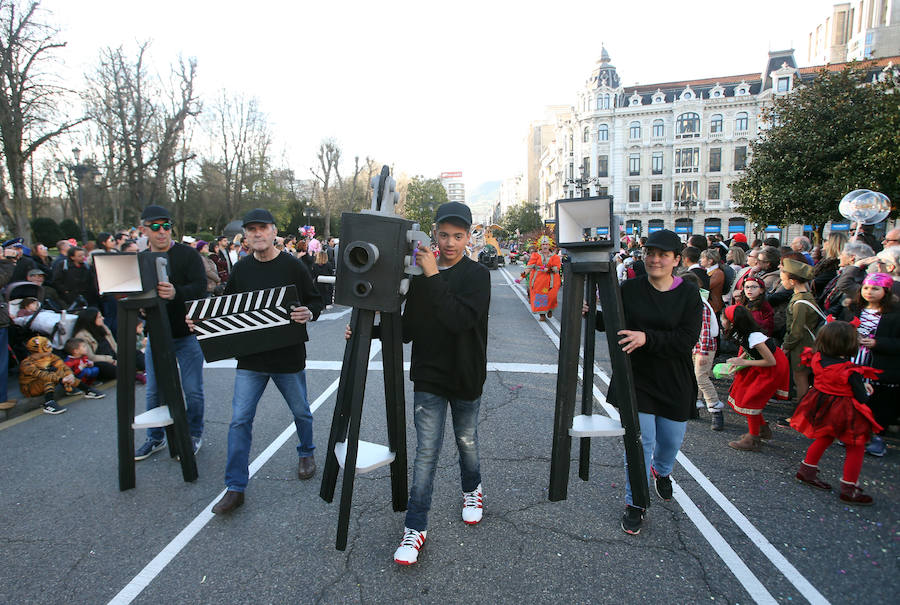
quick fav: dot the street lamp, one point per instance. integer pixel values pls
(582, 183)
(80, 171)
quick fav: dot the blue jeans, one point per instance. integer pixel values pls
(248, 388)
(661, 439)
(4, 364)
(190, 365)
(430, 413)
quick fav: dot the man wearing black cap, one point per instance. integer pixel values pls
(268, 267)
(446, 318)
(187, 281)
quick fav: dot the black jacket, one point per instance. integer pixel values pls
(886, 353)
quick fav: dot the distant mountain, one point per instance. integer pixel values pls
(483, 196)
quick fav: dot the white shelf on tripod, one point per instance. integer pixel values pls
(369, 456)
(595, 425)
(153, 418)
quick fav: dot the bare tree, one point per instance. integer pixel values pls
(140, 121)
(28, 101)
(329, 156)
(241, 136)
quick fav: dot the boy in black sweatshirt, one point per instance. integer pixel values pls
(446, 318)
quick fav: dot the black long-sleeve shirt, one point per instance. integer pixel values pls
(446, 318)
(664, 380)
(249, 274)
(187, 275)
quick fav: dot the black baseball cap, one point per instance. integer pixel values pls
(664, 240)
(453, 210)
(258, 215)
(155, 213)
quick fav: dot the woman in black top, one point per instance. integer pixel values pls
(663, 316)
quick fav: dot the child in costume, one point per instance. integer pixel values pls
(763, 373)
(834, 408)
(544, 279)
(43, 373)
(753, 296)
(879, 347)
(77, 360)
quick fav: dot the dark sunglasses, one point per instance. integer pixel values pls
(156, 226)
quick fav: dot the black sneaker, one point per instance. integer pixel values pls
(51, 407)
(92, 393)
(632, 520)
(149, 448)
(663, 485)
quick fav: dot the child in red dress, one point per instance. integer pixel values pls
(834, 408)
(763, 374)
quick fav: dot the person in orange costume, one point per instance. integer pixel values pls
(544, 278)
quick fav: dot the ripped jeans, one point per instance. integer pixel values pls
(430, 414)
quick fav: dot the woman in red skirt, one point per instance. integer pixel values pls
(763, 373)
(834, 408)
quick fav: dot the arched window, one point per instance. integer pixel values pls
(598, 103)
(634, 130)
(659, 129)
(605, 103)
(655, 224)
(586, 136)
(687, 125)
(603, 133)
(715, 124)
(741, 121)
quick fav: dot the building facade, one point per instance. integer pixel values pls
(666, 152)
(858, 30)
(453, 184)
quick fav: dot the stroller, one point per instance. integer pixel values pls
(56, 326)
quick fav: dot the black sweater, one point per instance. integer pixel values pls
(187, 274)
(665, 384)
(249, 274)
(446, 318)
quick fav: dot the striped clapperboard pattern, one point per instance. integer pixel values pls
(245, 323)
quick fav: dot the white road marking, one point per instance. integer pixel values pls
(744, 575)
(160, 561)
(375, 366)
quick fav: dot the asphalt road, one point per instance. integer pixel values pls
(740, 530)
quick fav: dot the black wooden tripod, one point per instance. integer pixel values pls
(167, 381)
(348, 414)
(581, 278)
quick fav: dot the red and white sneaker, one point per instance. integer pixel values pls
(473, 505)
(410, 545)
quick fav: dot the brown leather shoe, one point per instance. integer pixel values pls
(230, 501)
(306, 468)
(765, 431)
(747, 443)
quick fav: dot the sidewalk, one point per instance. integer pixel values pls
(27, 404)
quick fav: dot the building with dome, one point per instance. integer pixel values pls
(667, 152)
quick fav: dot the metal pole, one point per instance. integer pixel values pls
(78, 175)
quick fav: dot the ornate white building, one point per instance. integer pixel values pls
(666, 152)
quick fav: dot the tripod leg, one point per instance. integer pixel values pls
(169, 385)
(613, 317)
(357, 389)
(127, 324)
(566, 382)
(587, 379)
(395, 404)
(341, 415)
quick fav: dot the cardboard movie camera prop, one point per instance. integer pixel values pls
(135, 274)
(379, 254)
(586, 225)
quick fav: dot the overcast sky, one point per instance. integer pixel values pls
(431, 86)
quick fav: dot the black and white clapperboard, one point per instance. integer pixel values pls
(242, 324)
